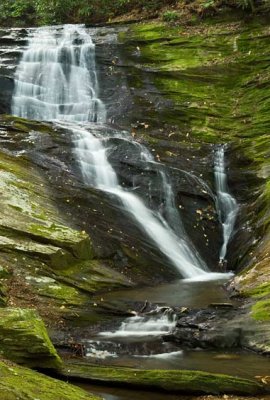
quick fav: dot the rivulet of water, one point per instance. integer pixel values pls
(226, 203)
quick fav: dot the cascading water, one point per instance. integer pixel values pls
(57, 81)
(142, 333)
(56, 78)
(156, 323)
(97, 171)
(226, 203)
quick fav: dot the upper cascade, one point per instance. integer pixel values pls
(56, 78)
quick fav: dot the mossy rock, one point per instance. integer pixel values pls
(19, 383)
(170, 381)
(78, 243)
(92, 276)
(24, 339)
(261, 310)
(30, 221)
(60, 294)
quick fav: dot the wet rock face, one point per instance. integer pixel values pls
(12, 41)
(208, 328)
(220, 326)
(7, 87)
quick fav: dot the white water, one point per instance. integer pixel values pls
(157, 324)
(93, 351)
(56, 80)
(135, 335)
(226, 203)
(163, 356)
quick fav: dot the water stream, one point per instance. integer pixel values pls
(56, 80)
(226, 203)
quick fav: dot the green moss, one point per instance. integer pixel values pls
(261, 310)
(92, 276)
(78, 243)
(172, 381)
(152, 31)
(64, 295)
(171, 48)
(260, 291)
(25, 125)
(24, 339)
(18, 383)
(206, 72)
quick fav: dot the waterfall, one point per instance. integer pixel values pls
(56, 80)
(226, 203)
(97, 171)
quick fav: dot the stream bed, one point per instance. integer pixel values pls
(138, 342)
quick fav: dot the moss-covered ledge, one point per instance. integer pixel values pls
(24, 339)
(19, 383)
(170, 381)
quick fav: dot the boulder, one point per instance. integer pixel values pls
(24, 339)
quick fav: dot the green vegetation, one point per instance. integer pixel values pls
(170, 16)
(25, 12)
(261, 310)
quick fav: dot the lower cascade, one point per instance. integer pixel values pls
(158, 322)
(140, 336)
(57, 81)
(226, 203)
